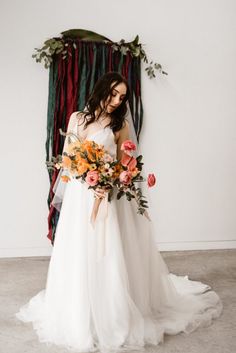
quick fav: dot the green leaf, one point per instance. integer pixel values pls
(48, 42)
(42, 55)
(84, 35)
(136, 40)
(58, 50)
(139, 158)
(120, 194)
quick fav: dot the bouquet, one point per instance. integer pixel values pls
(90, 163)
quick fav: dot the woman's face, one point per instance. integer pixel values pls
(116, 97)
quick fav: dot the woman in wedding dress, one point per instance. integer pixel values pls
(108, 288)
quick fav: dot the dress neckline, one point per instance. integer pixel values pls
(101, 130)
(96, 132)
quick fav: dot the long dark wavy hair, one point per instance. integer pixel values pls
(103, 90)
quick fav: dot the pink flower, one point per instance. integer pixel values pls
(107, 158)
(132, 164)
(125, 177)
(125, 159)
(128, 161)
(92, 177)
(151, 180)
(128, 146)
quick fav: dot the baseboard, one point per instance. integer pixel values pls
(197, 245)
(25, 252)
(163, 246)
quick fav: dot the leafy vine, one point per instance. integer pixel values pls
(60, 45)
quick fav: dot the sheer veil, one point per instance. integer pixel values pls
(60, 186)
(132, 133)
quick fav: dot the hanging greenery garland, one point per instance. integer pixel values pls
(59, 45)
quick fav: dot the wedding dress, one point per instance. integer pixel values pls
(108, 288)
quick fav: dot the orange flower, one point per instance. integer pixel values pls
(92, 155)
(65, 178)
(78, 156)
(87, 145)
(72, 146)
(82, 166)
(134, 172)
(117, 170)
(66, 162)
(92, 166)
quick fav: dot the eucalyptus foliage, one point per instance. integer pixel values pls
(60, 45)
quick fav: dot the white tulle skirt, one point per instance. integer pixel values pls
(108, 288)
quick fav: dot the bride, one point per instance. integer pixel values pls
(108, 288)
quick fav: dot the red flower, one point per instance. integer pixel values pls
(151, 180)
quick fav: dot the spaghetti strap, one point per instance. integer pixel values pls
(79, 115)
(72, 128)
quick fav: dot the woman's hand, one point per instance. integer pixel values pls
(100, 192)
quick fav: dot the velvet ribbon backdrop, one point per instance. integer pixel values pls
(71, 81)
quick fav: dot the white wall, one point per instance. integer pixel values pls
(189, 115)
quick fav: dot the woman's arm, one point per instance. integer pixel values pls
(123, 135)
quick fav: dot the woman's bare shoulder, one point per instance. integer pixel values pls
(80, 121)
(77, 115)
(77, 118)
(125, 127)
(123, 131)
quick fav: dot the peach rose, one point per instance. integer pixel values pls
(92, 177)
(128, 146)
(151, 180)
(125, 177)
